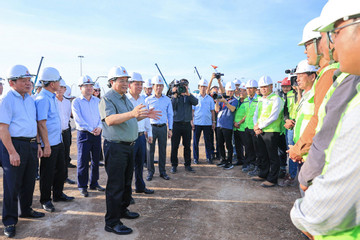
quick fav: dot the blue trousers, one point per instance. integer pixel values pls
(18, 182)
(139, 158)
(293, 166)
(89, 148)
(207, 137)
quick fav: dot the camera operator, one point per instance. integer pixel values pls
(182, 101)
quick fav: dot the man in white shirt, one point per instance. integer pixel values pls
(64, 107)
(144, 133)
(86, 114)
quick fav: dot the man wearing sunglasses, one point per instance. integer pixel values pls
(329, 208)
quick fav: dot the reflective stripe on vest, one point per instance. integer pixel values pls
(322, 110)
(353, 233)
(264, 113)
(249, 112)
(305, 111)
(290, 96)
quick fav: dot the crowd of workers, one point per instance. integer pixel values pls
(311, 125)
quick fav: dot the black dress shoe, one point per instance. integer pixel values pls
(196, 161)
(98, 187)
(48, 206)
(209, 161)
(32, 214)
(10, 231)
(129, 215)
(149, 177)
(189, 169)
(63, 198)
(69, 181)
(70, 165)
(146, 191)
(84, 192)
(132, 201)
(165, 176)
(118, 229)
(173, 169)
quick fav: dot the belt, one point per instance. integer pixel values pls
(140, 134)
(122, 142)
(183, 123)
(24, 139)
(158, 125)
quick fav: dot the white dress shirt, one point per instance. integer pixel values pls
(143, 125)
(64, 107)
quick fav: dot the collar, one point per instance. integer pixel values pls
(83, 98)
(48, 93)
(17, 94)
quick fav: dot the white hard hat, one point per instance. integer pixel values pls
(62, 83)
(203, 83)
(85, 80)
(308, 32)
(136, 77)
(67, 93)
(96, 85)
(251, 84)
(157, 80)
(18, 71)
(304, 67)
(237, 82)
(230, 86)
(116, 72)
(49, 74)
(148, 84)
(242, 86)
(335, 10)
(265, 81)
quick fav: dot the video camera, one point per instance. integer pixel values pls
(181, 87)
(219, 96)
(292, 76)
(217, 74)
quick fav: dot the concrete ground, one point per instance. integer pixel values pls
(210, 204)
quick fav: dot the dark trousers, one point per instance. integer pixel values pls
(18, 182)
(250, 142)
(239, 138)
(207, 137)
(282, 150)
(119, 166)
(66, 136)
(225, 137)
(181, 130)
(215, 151)
(89, 147)
(270, 163)
(52, 173)
(139, 158)
(159, 134)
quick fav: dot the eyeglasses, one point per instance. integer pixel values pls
(333, 33)
(96, 90)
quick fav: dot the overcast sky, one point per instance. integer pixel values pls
(245, 39)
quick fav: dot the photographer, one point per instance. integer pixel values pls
(225, 107)
(182, 102)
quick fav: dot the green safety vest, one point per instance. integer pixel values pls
(291, 104)
(249, 111)
(240, 114)
(322, 110)
(331, 66)
(353, 233)
(264, 111)
(305, 110)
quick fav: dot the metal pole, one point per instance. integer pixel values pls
(162, 75)
(37, 74)
(197, 73)
(81, 57)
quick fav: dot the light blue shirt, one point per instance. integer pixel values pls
(19, 113)
(202, 111)
(86, 113)
(164, 105)
(47, 109)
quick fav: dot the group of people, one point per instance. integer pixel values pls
(311, 125)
